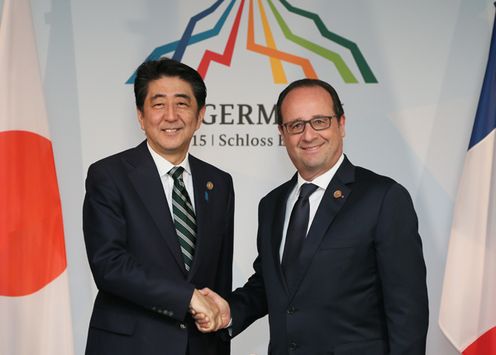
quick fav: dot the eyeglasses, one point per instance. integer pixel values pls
(318, 123)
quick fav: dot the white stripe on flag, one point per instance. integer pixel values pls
(16, 37)
(34, 319)
(38, 323)
(469, 292)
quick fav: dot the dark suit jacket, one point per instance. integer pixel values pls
(361, 287)
(134, 255)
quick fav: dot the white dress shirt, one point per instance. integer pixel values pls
(163, 167)
(322, 182)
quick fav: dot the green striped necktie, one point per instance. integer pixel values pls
(184, 216)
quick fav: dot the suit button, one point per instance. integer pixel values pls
(291, 310)
(293, 346)
(182, 325)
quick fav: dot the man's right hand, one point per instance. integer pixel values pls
(205, 310)
(220, 315)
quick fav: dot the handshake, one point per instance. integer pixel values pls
(210, 311)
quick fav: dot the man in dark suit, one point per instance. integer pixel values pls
(340, 268)
(158, 225)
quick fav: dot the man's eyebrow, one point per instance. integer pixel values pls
(161, 96)
(157, 96)
(183, 96)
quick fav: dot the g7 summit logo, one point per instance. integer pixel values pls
(269, 49)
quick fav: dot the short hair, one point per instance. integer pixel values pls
(338, 107)
(165, 67)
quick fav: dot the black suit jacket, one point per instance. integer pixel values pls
(361, 287)
(143, 288)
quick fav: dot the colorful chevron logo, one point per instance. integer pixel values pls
(276, 56)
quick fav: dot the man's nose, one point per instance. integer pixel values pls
(308, 132)
(170, 113)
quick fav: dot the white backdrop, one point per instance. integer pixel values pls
(413, 125)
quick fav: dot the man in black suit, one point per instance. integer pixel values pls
(158, 226)
(340, 268)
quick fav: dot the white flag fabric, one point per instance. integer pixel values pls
(34, 295)
(468, 305)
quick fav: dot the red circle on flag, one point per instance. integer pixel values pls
(32, 251)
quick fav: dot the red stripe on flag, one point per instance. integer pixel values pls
(484, 345)
(226, 56)
(32, 251)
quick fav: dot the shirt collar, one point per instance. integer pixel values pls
(164, 166)
(322, 181)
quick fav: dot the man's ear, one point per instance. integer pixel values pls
(141, 119)
(281, 132)
(342, 125)
(201, 115)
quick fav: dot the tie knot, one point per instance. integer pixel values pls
(307, 189)
(176, 172)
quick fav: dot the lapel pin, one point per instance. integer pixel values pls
(338, 194)
(210, 185)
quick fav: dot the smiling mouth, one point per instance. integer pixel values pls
(312, 148)
(170, 130)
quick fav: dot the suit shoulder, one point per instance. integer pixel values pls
(366, 175)
(279, 191)
(379, 182)
(110, 162)
(207, 167)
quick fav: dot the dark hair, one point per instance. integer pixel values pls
(165, 67)
(338, 107)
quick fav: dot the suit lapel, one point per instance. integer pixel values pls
(146, 181)
(329, 207)
(200, 180)
(278, 225)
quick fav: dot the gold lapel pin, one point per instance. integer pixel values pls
(210, 185)
(338, 194)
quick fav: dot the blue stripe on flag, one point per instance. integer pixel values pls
(183, 43)
(485, 118)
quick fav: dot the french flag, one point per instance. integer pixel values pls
(468, 304)
(34, 296)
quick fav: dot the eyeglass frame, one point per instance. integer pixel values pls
(305, 122)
